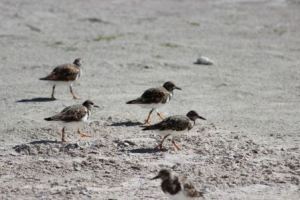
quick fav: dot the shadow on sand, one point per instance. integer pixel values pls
(126, 123)
(37, 99)
(146, 150)
(46, 142)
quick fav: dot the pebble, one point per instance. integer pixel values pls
(202, 60)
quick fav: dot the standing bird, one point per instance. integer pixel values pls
(75, 113)
(154, 98)
(174, 126)
(65, 74)
(175, 188)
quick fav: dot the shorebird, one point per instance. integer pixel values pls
(154, 98)
(174, 126)
(177, 188)
(76, 114)
(65, 74)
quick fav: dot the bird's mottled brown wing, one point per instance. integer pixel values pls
(190, 191)
(175, 123)
(66, 72)
(155, 95)
(71, 113)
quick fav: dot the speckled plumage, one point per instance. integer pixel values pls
(154, 98)
(71, 113)
(174, 125)
(64, 74)
(74, 113)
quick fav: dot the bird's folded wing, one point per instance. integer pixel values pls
(175, 123)
(66, 72)
(154, 95)
(71, 113)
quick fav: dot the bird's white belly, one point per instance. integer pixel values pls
(64, 83)
(151, 106)
(171, 133)
(60, 83)
(74, 125)
(85, 119)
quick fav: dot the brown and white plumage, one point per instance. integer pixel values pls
(154, 98)
(174, 125)
(71, 114)
(66, 73)
(177, 188)
(74, 113)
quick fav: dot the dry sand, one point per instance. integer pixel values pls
(247, 149)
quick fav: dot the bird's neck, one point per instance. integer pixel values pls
(191, 124)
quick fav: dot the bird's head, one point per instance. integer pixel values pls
(77, 62)
(163, 175)
(193, 115)
(89, 104)
(170, 86)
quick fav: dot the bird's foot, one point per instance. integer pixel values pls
(159, 147)
(175, 145)
(76, 97)
(147, 122)
(63, 136)
(84, 135)
(160, 116)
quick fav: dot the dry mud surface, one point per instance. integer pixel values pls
(247, 149)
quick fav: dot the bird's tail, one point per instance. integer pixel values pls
(43, 79)
(135, 101)
(147, 128)
(48, 119)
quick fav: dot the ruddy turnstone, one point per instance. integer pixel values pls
(174, 125)
(154, 98)
(65, 74)
(75, 113)
(177, 188)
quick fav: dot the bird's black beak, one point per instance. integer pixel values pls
(156, 177)
(96, 106)
(177, 88)
(201, 117)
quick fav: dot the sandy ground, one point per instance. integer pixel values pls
(247, 149)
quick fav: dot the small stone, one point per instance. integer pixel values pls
(255, 151)
(76, 166)
(202, 60)
(225, 176)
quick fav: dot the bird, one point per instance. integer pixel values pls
(177, 188)
(76, 113)
(173, 126)
(65, 74)
(154, 98)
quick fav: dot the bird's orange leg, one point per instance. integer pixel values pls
(63, 135)
(53, 91)
(175, 145)
(160, 145)
(160, 115)
(147, 121)
(73, 94)
(82, 135)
